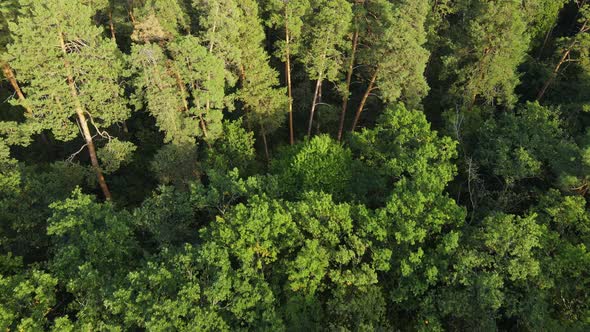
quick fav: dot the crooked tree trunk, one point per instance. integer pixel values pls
(9, 74)
(348, 81)
(554, 73)
(364, 100)
(557, 68)
(84, 125)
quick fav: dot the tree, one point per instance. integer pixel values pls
(93, 246)
(487, 52)
(565, 257)
(27, 297)
(166, 293)
(218, 31)
(75, 72)
(320, 164)
(573, 49)
(392, 37)
(324, 42)
(414, 166)
(495, 264)
(158, 20)
(262, 98)
(8, 12)
(288, 17)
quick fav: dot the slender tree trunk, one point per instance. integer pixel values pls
(289, 84)
(9, 74)
(545, 41)
(364, 100)
(314, 104)
(112, 26)
(348, 81)
(246, 111)
(264, 141)
(84, 125)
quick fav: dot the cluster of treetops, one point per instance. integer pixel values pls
(301, 165)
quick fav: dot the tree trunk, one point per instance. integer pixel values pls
(348, 81)
(84, 125)
(9, 74)
(314, 104)
(364, 100)
(553, 74)
(263, 132)
(289, 86)
(112, 26)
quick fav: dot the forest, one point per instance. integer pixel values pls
(295, 165)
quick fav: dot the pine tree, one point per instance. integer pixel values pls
(325, 41)
(218, 30)
(393, 38)
(8, 12)
(573, 49)
(159, 91)
(288, 17)
(487, 52)
(158, 20)
(201, 75)
(71, 71)
(264, 101)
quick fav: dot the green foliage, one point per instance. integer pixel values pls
(25, 197)
(95, 65)
(93, 248)
(320, 164)
(487, 52)
(288, 17)
(325, 38)
(402, 145)
(497, 260)
(392, 39)
(265, 102)
(26, 298)
(176, 164)
(167, 218)
(115, 153)
(159, 20)
(160, 92)
(165, 294)
(234, 149)
(566, 257)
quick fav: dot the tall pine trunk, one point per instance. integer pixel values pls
(264, 141)
(84, 124)
(364, 100)
(347, 87)
(314, 104)
(9, 74)
(112, 26)
(289, 84)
